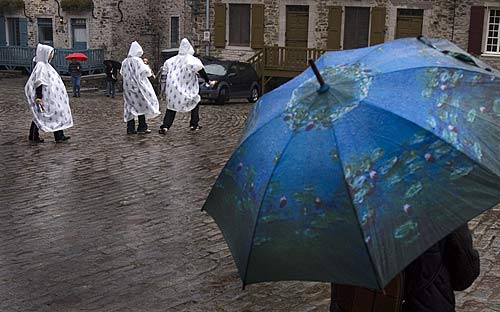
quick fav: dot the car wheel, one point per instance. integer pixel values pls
(254, 95)
(221, 98)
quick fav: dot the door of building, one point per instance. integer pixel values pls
(297, 30)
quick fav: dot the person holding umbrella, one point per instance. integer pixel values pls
(111, 71)
(47, 98)
(139, 97)
(426, 285)
(74, 69)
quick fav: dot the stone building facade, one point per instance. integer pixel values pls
(109, 25)
(449, 19)
(157, 25)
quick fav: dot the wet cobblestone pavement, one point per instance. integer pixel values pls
(110, 222)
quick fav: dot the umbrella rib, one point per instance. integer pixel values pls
(346, 186)
(260, 206)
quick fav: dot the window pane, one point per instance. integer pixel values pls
(45, 32)
(239, 24)
(13, 31)
(174, 32)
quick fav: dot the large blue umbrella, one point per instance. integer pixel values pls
(350, 184)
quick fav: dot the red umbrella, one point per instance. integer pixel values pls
(77, 56)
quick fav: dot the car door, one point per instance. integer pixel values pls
(233, 79)
(247, 78)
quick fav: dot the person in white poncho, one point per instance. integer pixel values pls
(182, 87)
(138, 94)
(47, 98)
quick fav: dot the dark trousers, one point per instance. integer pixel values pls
(142, 124)
(58, 135)
(75, 81)
(34, 134)
(110, 87)
(168, 120)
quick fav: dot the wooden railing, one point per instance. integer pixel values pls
(285, 62)
(289, 58)
(22, 58)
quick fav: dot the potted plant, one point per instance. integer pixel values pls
(76, 5)
(11, 5)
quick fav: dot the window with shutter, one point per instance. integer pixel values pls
(257, 26)
(492, 36)
(79, 33)
(476, 29)
(220, 25)
(334, 28)
(239, 25)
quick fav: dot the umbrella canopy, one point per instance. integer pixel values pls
(113, 63)
(78, 56)
(350, 184)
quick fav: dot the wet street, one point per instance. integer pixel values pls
(110, 222)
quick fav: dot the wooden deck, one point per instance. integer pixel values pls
(22, 58)
(282, 62)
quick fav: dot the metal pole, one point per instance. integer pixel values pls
(207, 26)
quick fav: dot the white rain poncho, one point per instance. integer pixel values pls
(56, 113)
(138, 93)
(182, 82)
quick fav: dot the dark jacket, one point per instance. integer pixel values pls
(111, 73)
(75, 69)
(429, 281)
(451, 264)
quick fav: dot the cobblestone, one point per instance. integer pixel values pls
(110, 222)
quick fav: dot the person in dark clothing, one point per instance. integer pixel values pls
(429, 281)
(169, 117)
(76, 75)
(111, 78)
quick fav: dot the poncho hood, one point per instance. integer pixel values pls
(186, 48)
(135, 50)
(43, 53)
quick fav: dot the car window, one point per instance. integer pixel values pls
(233, 69)
(215, 69)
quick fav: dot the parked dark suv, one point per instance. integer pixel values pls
(234, 79)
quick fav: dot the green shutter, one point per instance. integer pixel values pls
(23, 32)
(334, 28)
(3, 35)
(377, 26)
(220, 25)
(257, 33)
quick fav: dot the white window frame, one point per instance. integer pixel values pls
(38, 28)
(486, 30)
(87, 26)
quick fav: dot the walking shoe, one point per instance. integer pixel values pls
(193, 128)
(37, 140)
(145, 131)
(131, 132)
(163, 131)
(63, 139)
